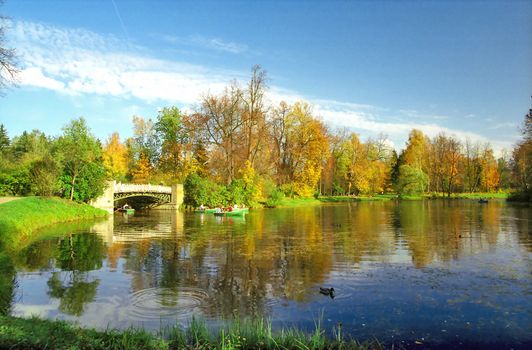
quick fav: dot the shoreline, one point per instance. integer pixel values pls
(37, 333)
(20, 219)
(295, 202)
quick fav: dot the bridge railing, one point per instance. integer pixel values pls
(128, 188)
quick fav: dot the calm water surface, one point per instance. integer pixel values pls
(435, 271)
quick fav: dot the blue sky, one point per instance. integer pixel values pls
(464, 68)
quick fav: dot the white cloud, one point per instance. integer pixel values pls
(216, 44)
(77, 61)
(33, 76)
(508, 125)
(219, 44)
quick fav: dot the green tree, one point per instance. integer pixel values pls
(4, 139)
(82, 159)
(411, 181)
(75, 294)
(204, 191)
(44, 175)
(76, 254)
(175, 143)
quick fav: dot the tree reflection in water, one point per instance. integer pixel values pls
(176, 264)
(76, 255)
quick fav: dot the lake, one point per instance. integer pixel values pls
(437, 272)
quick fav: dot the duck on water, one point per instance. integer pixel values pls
(327, 291)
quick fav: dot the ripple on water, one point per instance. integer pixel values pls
(154, 303)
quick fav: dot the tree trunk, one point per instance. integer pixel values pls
(72, 187)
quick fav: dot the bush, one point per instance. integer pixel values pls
(204, 191)
(412, 181)
(275, 197)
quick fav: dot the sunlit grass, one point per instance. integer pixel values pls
(297, 202)
(21, 218)
(34, 333)
(475, 195)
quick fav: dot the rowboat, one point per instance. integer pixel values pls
(203, 211)
(127, 211)
(483, 201)
(234, 212)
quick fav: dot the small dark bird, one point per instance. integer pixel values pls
(327, 291)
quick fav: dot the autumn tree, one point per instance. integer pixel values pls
(306, 149)
(145, 141)
(143, 150)
(446, 156)
(522, 160)
(115, 157)
(280, 153)
(358, 172)
(490, 176)
(471, 168)
(416, 151)
(222, 120)
(415, 156)
(254, 113)
(505, 171)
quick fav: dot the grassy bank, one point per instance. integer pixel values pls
(20, 219)
(35, 333)
(477, 195)
(298, 202)
(340, 199)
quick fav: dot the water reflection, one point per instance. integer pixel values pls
(402, 269)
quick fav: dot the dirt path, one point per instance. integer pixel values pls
(7, 199)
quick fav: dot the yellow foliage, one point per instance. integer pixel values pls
(142, 171)
(115, 157)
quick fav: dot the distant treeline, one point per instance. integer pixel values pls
(236, 148)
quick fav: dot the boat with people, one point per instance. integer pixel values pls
(126, 208)
(204, 210)
(231, 212)
(483, 200)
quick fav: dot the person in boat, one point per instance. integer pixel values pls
(218, 210)
(201, 207)
(126, 206)
(235, 206)
(230, 208)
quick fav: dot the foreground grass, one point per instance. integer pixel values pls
(34, 333)
(20, 219)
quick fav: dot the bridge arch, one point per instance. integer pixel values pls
(159, 197)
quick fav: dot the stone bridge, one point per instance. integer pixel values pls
(160, 197)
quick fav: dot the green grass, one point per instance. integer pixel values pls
(20, 219)
(476, 195)
(34, 333)
(297, 202)
(340, 199)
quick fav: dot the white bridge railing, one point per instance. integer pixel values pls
(134, 188)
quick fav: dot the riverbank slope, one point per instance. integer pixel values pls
(19, 219)
(34, 333)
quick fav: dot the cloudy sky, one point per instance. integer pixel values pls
(463, 68)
